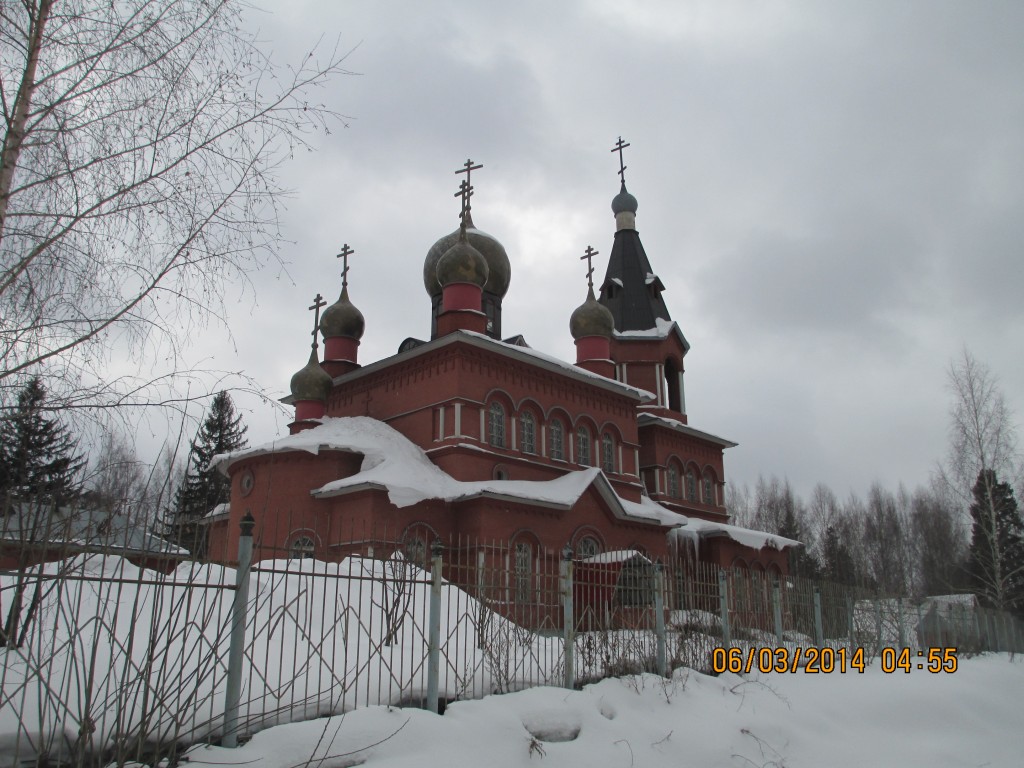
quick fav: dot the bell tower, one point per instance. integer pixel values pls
(647, 346)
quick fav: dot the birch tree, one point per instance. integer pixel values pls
(138, 176)
(983, 464)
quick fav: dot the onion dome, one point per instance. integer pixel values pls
(499, 270)
(342, 318)
(312, 382)
(624, 202)
(462, 263)
(591, 318)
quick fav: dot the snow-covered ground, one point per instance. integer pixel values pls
(972, 717)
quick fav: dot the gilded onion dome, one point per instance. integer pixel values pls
(312, 382)
(499, 270)
(342, 318)
(462, 263)
(591, 318)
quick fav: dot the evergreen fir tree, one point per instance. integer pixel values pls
(38, 459)
(996, 557)
(204, 488)
(801, 562)
(838, 565)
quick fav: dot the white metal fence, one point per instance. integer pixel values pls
(108, 661)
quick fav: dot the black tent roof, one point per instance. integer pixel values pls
(631, 291)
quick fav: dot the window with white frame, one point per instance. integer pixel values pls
(496, 427)
(607, 453)
(528, 428)
(583, 446)
(557, 440)
(691, 486)
(709, 489)
(301, 548)
(587, 546)
(523, 571)
(673, 481)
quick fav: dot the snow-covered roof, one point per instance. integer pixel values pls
(398, 466)
(616, 556)
(649, 418)
(516, 352)
(661, 330)
(548, 361)
(697, 529)
(74, 526)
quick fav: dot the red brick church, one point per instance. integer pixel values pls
(471, 434)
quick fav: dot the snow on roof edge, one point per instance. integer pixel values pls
(696, 529)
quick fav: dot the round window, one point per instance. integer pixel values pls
(247, 482)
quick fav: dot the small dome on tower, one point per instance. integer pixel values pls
(624, 202)
(462, 263)
(342, 318)
(499, 270)
(591, 318)
(311, 382)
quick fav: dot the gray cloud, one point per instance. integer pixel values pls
(829, 191)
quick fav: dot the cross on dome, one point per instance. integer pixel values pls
(317, 303)
(620, 145)
(465, 192)
(466, 188)
(589, 255)
(345, 253)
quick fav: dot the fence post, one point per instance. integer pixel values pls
(659, 616)
(481, 596)
(777, 608)
(723, 607)
(434, 635)
(878, 627)
(236, 648)
(819, 630)
(568, 630)
(899, 623)
(851, 629)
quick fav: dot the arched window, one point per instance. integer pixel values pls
(557, 440)
(523, 571)
(691, 486)
(583, 446)
(587, 546)
(497, 426)
(607, 453)
(528, 427)
(709, 489)
(415, 551)
(301, 548)
(673, 481)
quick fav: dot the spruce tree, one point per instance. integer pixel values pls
(801, 562)
(203, 487)
(996, 557)
(39, 464)
(838, 565)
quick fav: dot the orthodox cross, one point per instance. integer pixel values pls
(345, 253)
(619, 146)
(465, 192)
(466, 188)
(317, 303)
(589, 254)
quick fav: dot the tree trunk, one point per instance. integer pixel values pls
(15, 136)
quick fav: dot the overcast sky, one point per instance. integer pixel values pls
(827, 191)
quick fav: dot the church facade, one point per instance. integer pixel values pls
(471, 435)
